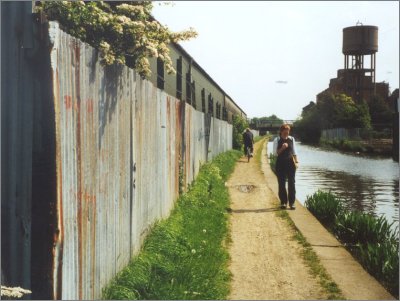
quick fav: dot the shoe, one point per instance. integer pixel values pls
(292, 207)
(251, 155)
(283, 206)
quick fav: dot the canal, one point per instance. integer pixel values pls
(367, 184)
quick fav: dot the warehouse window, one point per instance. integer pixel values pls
(194, 95)
(224, 114)
(188, 89)
(160, 74)
(203, 100)
(210, 105)
(218, 111)
(179, 78)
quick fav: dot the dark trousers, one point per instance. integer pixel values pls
(245, 149)
(286, 171)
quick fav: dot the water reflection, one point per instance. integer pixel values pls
(366, 184)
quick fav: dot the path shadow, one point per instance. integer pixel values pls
(261, 210)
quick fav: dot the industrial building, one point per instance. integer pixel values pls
(194, 85)
(357, 79)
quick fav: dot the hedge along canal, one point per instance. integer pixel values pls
(185, 255)
(370, 185)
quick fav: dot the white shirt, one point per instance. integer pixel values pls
(275, 145)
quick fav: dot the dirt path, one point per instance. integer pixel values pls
(266, 262)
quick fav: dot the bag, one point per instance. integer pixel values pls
(294, 162)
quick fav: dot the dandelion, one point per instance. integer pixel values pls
(193, 251)
(204, 231)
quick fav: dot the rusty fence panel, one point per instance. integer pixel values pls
(119, 145)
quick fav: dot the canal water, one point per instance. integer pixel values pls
(367, 184)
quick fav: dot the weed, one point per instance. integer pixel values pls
(272, 161)
(312, 260)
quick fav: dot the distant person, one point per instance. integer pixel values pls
(248, 140)
(284, 148)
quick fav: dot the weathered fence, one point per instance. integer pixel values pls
(341, 133)
(120, 144)
(120, 150)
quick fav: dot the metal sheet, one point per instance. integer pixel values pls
(119, 146)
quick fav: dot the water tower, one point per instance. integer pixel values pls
(360, 44)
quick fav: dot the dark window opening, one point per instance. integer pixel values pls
(188, 89)
(179, 78)
(194, 95)
(224, 114)
(210, 105)
(203, 100)
(160, 74)
(218, 109)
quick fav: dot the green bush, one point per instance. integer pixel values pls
(331, 111)
(344, 144)
(382, 261)
(373, 241)
(124, 32)
(239, 126)
(272, 162)
(361, 228)
(353, 146)
(325, 206)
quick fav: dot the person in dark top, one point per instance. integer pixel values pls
(248, 140)
(284, 148)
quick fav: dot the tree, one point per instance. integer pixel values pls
(331, 111)
(239, 126)
(380, 111)
(123, 31)
(308, 128)
(270, 119)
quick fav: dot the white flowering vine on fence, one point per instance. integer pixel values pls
(14, 292)
(124, 32)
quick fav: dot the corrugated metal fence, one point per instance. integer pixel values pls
(91, 159)
(119, 146)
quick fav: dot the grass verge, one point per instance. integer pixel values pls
(259, 138)
(259, 150)
(312, 261)
(185, 255)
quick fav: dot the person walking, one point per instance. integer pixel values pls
(248, 141)
(284, 147)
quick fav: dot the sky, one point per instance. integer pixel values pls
(247, 46)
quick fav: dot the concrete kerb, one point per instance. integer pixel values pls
(354, 282)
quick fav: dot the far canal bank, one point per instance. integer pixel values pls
(367, 184)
